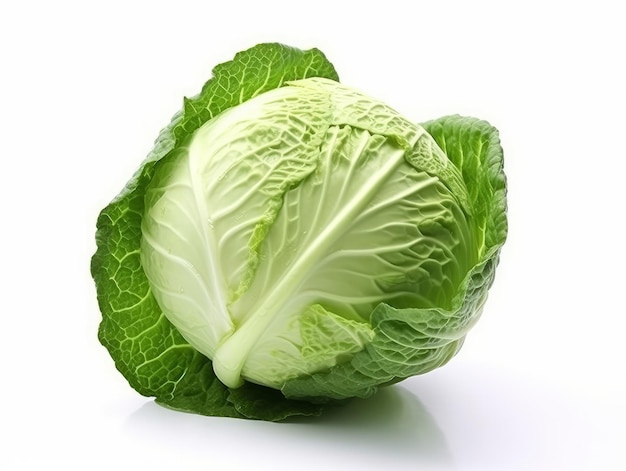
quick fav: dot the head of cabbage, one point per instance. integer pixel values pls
(292, 241)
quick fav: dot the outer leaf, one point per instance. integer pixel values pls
(147, 350)
(408, 342)
(474, 147)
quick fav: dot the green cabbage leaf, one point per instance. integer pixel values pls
(291, 243)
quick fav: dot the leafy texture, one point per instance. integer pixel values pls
(147, 349)
(286, 220)
(309, 240)
(412, 341)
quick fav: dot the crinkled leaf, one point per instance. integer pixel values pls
(409, 341)
(147, 349)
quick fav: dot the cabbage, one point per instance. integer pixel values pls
(291, 242)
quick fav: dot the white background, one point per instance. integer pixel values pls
(540, 384)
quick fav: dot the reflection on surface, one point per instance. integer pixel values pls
(390, 428)
(394, 422)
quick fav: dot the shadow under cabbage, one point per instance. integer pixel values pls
(394, 419)
(393, 422)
